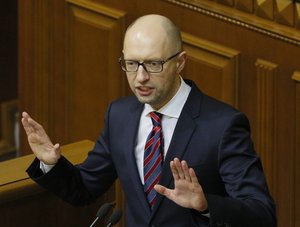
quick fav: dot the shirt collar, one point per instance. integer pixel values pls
(175, 105)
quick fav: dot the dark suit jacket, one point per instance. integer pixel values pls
(211, 136)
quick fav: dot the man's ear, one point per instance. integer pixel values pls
(181, 61)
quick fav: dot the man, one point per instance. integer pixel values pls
(197, 168)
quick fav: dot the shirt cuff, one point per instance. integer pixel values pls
(45, 168)
(205, 213)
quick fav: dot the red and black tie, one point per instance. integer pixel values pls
(153, 158)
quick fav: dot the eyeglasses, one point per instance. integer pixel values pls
(149, 66)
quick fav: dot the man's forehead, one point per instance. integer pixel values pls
(144, 42)
(145, 52)
(143, 32)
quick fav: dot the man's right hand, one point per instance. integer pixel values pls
(39, 141)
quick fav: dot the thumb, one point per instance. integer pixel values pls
(56, 146)
(160, 189)
(56, 149)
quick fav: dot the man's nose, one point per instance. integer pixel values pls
(142, 74)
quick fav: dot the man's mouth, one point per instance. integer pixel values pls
(144, 91)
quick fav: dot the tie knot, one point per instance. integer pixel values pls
(156, 118)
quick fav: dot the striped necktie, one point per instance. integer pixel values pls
(153, 158)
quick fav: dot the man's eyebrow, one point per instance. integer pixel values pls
(146, 60)
(155, 59)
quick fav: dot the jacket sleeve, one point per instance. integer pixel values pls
(248, 203)
(82, 184)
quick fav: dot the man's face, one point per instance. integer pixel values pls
(155, 89)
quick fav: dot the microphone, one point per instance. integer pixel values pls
(114, 218)
(103, 211)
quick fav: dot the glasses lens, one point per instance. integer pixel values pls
(130, 66)
(153, 66)
(149, 66)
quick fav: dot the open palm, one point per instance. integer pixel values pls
(187, 191)
(39, 141)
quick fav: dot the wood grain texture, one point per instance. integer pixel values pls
(266, 118)
(296, 156)
(213, 67)
(32, 205)
(93, 76)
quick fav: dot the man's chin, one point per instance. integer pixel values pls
(145, 99)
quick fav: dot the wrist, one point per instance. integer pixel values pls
(202, 209)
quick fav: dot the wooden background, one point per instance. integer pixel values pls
(8, 74)
(245, 52)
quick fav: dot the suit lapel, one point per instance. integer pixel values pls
(129, 145)
(181, 137)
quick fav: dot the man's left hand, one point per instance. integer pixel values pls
(188, 192)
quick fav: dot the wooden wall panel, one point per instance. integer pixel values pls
(93, 75)
(213, 67)
(278, 11)
(296, 156)
(94, 79)
(266, 118)
(284, 12)
(245, 5)
(69, 68)
(262, 20)
(41, 65)
(36, 63)
(297, 16)
(8, 51)
(264, 9)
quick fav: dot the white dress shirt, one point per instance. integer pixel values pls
(171, 112)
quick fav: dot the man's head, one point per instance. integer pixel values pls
(154, 39)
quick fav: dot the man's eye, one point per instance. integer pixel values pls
(130, 63)
(153, 63)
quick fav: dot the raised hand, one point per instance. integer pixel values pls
(39, 141)
(188, 192)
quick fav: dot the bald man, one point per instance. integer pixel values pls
(183, 158)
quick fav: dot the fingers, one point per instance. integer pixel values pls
(163, 191)
(28, 129)
(27, 126)
(185, 169)
(31, 125)
(57, 151)
(56, 148)
(25, 114)
(193, 176)
(174, 170)
(180, 170)
(160, 189)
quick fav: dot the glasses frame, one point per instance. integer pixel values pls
(162, 62)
